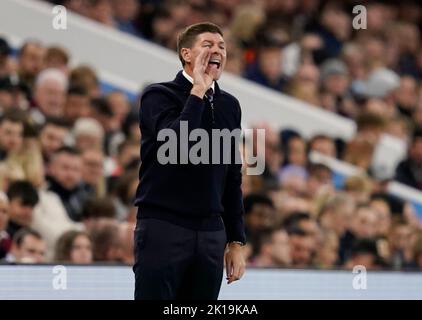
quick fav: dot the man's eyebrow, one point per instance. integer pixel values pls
(210, 41)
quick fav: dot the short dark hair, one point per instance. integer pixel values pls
(188, 36)
(56, 121)
(98, 208)
(314, 168)
(68, 150)
(102, 106)
(77, 90)
(291, 222)
(14, 115)
(253, 199)
(24, 191)
(22, 233)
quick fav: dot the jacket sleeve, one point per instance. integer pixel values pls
(159, 111)
(233, 215)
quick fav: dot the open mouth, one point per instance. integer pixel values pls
(215, 62)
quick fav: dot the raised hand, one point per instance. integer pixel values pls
(201, 79)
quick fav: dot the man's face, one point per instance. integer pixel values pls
(324, 146)
(212, 42)
(93, 168)
(281, 248)
(6, 99)
(50, 97)
(66, 169)
(270, 63)
(297, 151)
(77, 106)
(11, 135)
(365, 223)
(20, 213)
(31, 250)
(31, 60)
(301, 250)
(4, 215)
(261, 216)
(52, 138)
(318, 180)
(416, 151)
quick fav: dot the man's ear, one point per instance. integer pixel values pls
(186, 54)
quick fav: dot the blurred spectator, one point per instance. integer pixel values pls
(125, 12)
(107, 241)
(319, 180)
(359, 187)
(383, 212)
(126, 230)
(401, 245)
(93, 171)
(88, 134)
(77, 104)
(101, 11)
(323, 144)
(84, 76)
(65, 179)
(417, 252)
(123, 189)
(337, 213)
(27, 247)
(120, 107)
(6, 63)
(74, 247)
(304, 84)
(409, 171)
(365, 253)
(5, 239)
(301, 248)
(31, 61)
(50, 94)
(23, 197)
(274, 249)
(52, 136)
(96, 209)
(57, 58)
(326, 255)
(259, 213)
(11, 132)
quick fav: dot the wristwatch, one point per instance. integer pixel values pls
(238, 242)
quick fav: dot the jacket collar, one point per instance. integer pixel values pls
(186, 85)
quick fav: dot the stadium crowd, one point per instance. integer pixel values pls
(69, 153)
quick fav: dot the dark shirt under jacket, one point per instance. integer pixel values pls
(193, 196)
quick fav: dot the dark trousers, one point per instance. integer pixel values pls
(173, 262)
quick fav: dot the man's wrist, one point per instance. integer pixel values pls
(238, 243)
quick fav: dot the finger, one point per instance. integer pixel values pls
(227, 268)
(199, 59)
(207, 58)
(236, 272)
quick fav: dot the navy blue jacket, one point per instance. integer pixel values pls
(195, 195)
